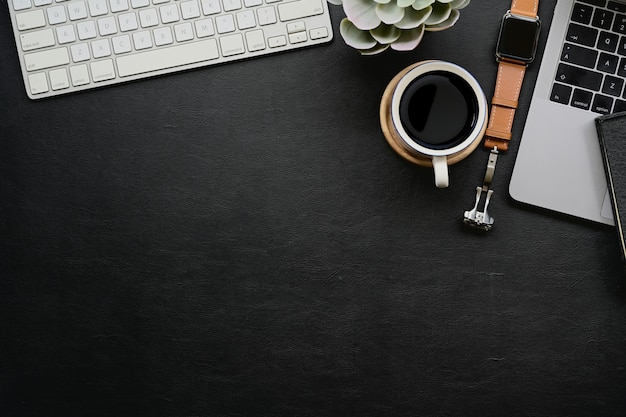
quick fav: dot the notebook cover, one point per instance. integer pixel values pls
(612, 137)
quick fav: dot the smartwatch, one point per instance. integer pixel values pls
(516, 48)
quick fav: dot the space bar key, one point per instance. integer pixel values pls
(159, 59)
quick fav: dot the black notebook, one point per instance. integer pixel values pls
(612, 136)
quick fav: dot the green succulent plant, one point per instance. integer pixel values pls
(371, 26)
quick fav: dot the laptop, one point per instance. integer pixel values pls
(558, 165)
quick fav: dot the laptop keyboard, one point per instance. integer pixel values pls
(71, 45)
(592, 70)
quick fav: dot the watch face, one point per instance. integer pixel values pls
(518, 39)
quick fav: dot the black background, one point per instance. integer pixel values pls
(241, 241)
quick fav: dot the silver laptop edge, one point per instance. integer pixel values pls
(558, 164)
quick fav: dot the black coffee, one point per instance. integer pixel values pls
(439, 110)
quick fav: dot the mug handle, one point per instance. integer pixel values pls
(440, 165)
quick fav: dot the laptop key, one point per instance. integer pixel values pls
(599, 3)
(578, 77)
(618, 7)
(582, 35)
(582, 13)
(602, 19)
(579, 55)
(602, 104)
(607, 63)
(561, 93)
(613, 85)
(608, 41)
(582, 99)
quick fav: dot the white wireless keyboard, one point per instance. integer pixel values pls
(71, 45)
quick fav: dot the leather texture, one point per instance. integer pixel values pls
(241, 241)
(503, 105)
(612, 137)
(525, 7)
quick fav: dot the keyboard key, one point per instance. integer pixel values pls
(621, 49)
(98, 8)
(266, 15)
(169, 13)
(86, 30)
(142, 40)
(163, 36)
(79, 75)
(619, 24)
(232, 45)
(46, 59)
(77, 10)
(561, 93)
(617, 7)
(21, 5)
(80, 52)
(231, 5)
(30, 20)
(100, 48)
(578, 77)
(608, 63)
(56, 15)
(37, 40)
(613, 85)
(204, 28)
(59, 79)
(107, 26)
(602, 104)
(183, 32)
(121, 44)
(582, 99)
(190, 9)
(579, 55)
(319, 33)
(66, 34)
(210, 7)
(225, 23)
(582, 35)
(118, 5)
(299, 9)
(602, 19)
(128, 22)
(157, 59)
(38, 83)
(255, 40)
(582, 13)
(102, 70)
(245, 20)
(608, 41)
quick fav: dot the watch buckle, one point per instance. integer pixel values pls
(475, 218)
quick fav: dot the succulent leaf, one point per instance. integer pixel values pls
(409, 39)
(354, 37)
(389, 13)
(386, 34)
(375, 50)
(449, 22)
(459, 4)
(362, 13)
(413, 18)
(441, 12)
(404, 3)
(421, 4)
(382, 1)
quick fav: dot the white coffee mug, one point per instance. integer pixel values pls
(434, 113)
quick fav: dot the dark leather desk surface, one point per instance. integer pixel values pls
(241, 241)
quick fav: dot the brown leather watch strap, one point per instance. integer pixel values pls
(525, 8)
(503, 105)
(508, 87)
